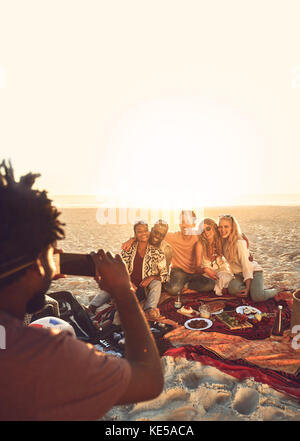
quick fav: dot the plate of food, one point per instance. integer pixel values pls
(198, 324)
(249, 311)
(216, 307)
(188, 311)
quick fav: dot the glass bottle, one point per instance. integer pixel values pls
(277, 330)
(177, 303)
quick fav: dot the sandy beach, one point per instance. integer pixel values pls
(194, 391)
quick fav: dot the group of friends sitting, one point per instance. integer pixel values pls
(208, 257)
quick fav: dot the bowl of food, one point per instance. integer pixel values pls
(198, 324)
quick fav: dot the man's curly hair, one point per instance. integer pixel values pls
(28, 222)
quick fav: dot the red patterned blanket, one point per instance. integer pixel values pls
(242, 353)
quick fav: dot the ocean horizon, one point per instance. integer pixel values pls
(92, 201)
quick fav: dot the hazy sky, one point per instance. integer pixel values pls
(152, 101)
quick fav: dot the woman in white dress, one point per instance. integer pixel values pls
(209, 257)
(248, 275)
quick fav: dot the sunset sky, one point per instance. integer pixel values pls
(152, 103)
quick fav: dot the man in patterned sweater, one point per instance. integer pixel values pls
(147, 267)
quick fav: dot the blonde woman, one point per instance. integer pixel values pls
(248, 275)
(209, 259)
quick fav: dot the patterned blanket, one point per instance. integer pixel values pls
(242, 353)
(258, 331)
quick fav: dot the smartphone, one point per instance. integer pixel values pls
(74, 264)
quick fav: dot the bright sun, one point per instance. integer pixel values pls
(180, 154)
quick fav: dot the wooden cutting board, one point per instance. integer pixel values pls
(193, 314)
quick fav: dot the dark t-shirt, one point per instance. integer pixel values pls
(136, 275)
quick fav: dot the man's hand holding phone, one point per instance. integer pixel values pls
(57, 275)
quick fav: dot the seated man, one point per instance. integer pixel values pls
(147, 267)
(48, 375)
(183, 269)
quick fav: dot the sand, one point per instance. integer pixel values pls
(193, 391)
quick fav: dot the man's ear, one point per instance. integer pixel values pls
(37, 267)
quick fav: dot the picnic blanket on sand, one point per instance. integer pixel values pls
(279, 356)
(241, 369)
(258, 331)
(242, 353)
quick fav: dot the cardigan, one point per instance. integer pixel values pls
(154, 262)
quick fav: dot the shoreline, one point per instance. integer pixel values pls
(98, 206)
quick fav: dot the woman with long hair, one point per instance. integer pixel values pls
(248, 275)
(209, 256)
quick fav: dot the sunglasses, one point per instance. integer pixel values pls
(225, 216)
(140, 222)
(206, 229)
(15, 270)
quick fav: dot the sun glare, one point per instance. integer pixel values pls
(179, 154)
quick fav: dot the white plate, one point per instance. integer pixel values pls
(192, 314)
(209, 324)
(240, 310)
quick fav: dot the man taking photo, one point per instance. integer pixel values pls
(50, 375)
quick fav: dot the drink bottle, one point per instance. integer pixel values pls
(277, 330)
(177, 302)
